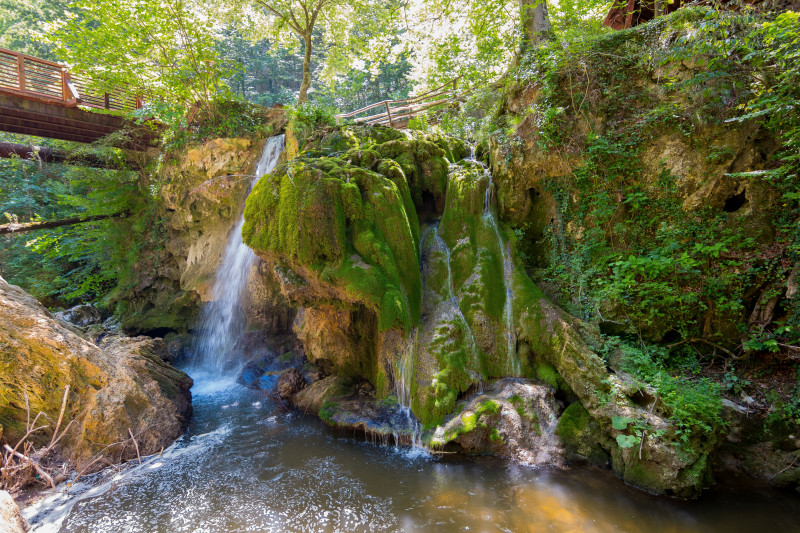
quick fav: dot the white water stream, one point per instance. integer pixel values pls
(222, 320)
(490, 218)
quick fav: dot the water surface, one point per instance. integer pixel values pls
(245, 466)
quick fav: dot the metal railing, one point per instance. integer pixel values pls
(51, 83)
(396, 112)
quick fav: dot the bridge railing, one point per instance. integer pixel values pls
(51, 83)
(397, 112)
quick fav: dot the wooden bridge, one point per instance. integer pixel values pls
(41, 98)
(397, 113)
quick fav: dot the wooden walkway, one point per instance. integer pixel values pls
(42, 98)
(397, 113)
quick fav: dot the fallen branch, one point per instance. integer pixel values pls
(60, 417)
(46, 224)
(705, 341)
(35, 465)
(136, 444)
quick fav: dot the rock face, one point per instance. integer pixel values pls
(203, 193)
(431, 313)
(120, 385)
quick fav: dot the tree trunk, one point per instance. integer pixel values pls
(45, 224)
(49, 155)
(303, 96)
(535, 23)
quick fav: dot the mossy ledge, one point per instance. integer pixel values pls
(340, 224)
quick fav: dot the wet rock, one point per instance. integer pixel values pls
(121, 385)
(312, 398)
(80, 315)
(290, 383)
(177, 347)
(513, 418)
(581, 436)
(10, 519)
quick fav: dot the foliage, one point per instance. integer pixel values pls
(693, 405)
(224, 118)
(479, 40)
(162, 51)
(67, 265)
(308, 118)
(343, 28)
(629, 251)
(21, 22)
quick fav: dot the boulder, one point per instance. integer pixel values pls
(513, 418)
(120, 387)
(10, 519)
(290, 383)
(80, 315)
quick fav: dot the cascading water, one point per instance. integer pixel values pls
(222, 320)
(470, 337)
(490, 218)
(404, 373)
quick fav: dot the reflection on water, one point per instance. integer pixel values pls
(244, 467)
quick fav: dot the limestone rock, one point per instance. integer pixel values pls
(10, 519)
(122, 384)
(80, 315)
(312, 398)
(203, 194)
(290, 383)
(513, 418)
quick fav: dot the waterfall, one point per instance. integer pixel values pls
(470, 337)
(222, 320)
(490, 217)
(404, 374)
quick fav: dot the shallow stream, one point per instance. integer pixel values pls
(246, 466)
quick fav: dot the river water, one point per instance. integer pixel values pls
(246, 466)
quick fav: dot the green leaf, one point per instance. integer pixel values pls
(626, 441)
(620, 422)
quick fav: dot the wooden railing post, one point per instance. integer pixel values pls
(389, 113)
(107, 101)
(21, 72)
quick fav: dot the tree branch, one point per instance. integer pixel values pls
(46, 224)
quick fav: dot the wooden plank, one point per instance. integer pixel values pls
(21, 72)
(66, 128)
(61, 121)
(50, 134)
(389, 114)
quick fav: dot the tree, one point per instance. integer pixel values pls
(21, 22)
(163, 50)
(334, 21)
(535, 23)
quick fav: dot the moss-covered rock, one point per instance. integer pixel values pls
(512, 418)
(340, 225)
(581, 436)
(121, 385)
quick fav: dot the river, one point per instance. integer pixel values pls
(245, 465)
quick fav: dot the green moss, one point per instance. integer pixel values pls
(327, 411)
(547, 373)
(581, 435)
